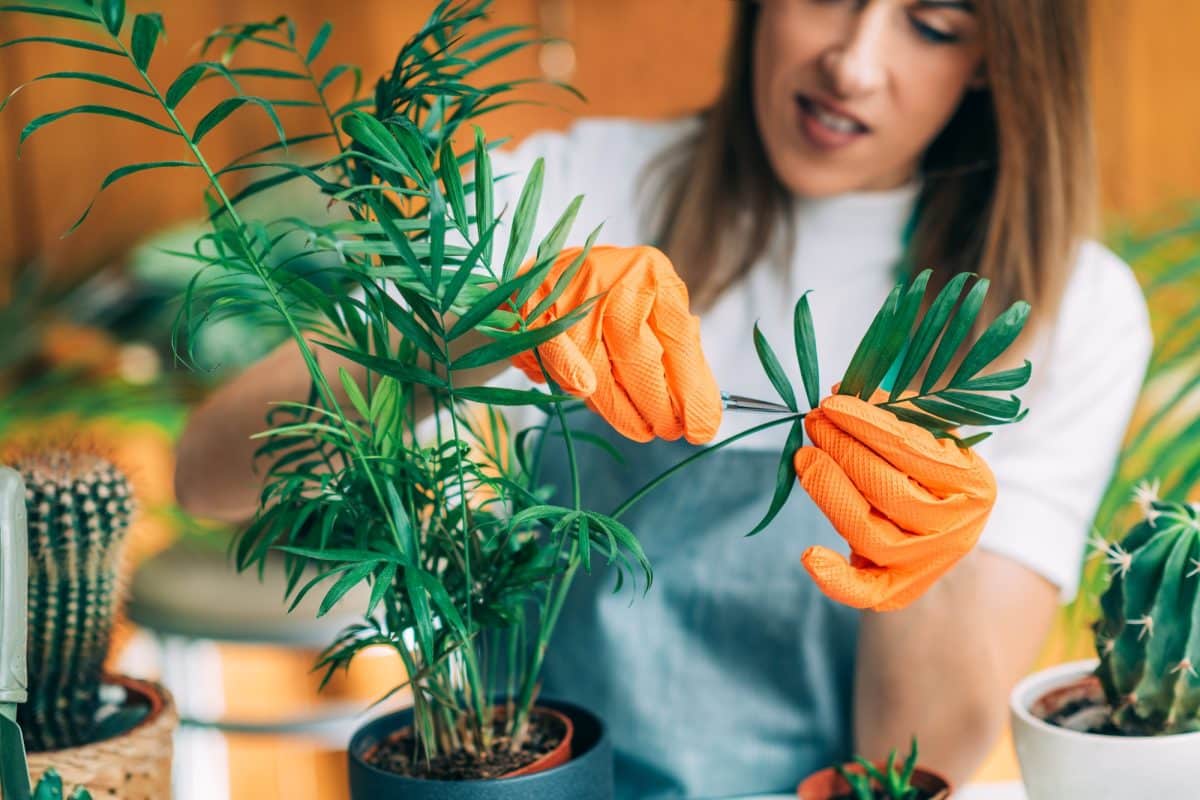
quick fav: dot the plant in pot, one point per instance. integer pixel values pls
(405, 477)
(108, 733)
(50, 787)
(866, 780)
(1127, 725)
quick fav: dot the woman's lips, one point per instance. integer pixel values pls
(827, 128)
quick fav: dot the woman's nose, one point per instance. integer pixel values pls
(854, 65)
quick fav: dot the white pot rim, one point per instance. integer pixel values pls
(1033, 686)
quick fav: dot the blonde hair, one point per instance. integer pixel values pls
(1008, 186)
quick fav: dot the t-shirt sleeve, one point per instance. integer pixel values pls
(1052, 468)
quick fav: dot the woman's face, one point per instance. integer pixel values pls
(848, 94)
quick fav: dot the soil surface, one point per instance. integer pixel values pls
(399, 754)
(1062, 715)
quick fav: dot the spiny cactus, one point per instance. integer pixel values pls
(79, 510)
(1148, 638)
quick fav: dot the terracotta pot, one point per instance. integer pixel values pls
(828, 784)
(135, 765)
(579, 768)
(556, 757)
(1062, 764)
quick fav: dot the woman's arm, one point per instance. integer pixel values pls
(942, 668)
(215, 473)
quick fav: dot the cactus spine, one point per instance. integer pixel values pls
(1148, 637)
(79, 511)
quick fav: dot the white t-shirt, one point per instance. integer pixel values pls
(1051, 468)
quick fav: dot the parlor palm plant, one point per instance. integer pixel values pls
(467, 561)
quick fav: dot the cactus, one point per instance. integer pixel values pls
(1148, 637)
(50, 787)
(79, 510)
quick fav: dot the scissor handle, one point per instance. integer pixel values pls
(14, 587)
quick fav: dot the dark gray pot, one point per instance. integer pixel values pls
(587, 776)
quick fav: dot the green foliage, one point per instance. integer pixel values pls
(79, 510)
(452, 531)
(1162, 440)
(894, 782)
(50, 787)
(896, 342)
(1148, 637)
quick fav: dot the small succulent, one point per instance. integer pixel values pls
(891, 783)
(50, 787)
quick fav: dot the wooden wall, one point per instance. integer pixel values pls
(634, 58)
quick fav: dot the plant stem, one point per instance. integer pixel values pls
(652, 485)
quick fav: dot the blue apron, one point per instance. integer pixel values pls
(734, 674)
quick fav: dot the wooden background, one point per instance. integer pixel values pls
(634, 58)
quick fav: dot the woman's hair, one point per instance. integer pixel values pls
(1008, 187)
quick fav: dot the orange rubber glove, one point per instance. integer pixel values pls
(910, 505)
(635, 358)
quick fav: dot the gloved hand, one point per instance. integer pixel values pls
(635, 358)
(909, 505)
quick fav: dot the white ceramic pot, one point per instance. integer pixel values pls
(1060, 764)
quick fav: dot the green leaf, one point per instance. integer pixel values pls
(954, 413)
(226, 107)
(381, 587)
(774, 369)
(466, 268)
(929, 423)
(354, 393)
(524, 219)
(105, 111)
(146, 30)
(565, 279)
(483, 192)
(862, 362)
(899, 328)
(78, 44)
(452, 181)
(984, 404)
(352, 578)
(48, 11)
(92, 77)
(437, 234)
(484, 306)
(499, 396)
(995, 340)
(318, 43)
(512, 344)
(927, 332)
(113, 14)
(387, 366)
(129, 169)
(785, 477)
(806, 351)
(955, 333)
(414, 332)
(1005, 380)
(338, 71)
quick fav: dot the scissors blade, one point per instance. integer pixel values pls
(735, 402)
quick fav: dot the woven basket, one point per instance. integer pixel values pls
(133, 766)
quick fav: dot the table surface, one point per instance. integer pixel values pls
(989, 791)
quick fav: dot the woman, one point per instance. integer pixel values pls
(853, 138)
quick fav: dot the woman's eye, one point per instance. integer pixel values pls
(932, 34)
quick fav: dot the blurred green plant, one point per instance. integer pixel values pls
(1163, 441)
(893, 782)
